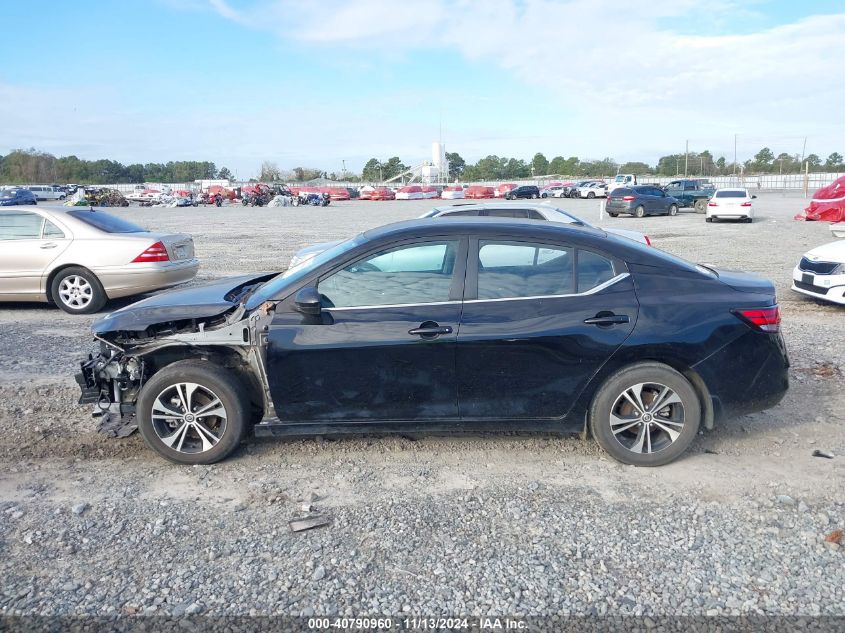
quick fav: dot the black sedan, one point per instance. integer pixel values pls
(13, 197)
(640, 200)
(476, 323)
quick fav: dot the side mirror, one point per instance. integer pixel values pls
(753, 196)
(308, 301)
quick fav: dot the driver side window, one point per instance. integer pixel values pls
(415, 273)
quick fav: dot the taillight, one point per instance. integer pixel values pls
(764, 319)
(628, 198)
(647, 240)
(746, 204)
(155, 253)
(712, 204)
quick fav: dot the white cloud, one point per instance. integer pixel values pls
(629, 71)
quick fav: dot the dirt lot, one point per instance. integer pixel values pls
(519, 524)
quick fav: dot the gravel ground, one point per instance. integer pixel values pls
(475, 524)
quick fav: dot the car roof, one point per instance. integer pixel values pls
(585, 236)
(509, 204)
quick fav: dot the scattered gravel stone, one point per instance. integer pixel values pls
(79, 508)
(319, 573)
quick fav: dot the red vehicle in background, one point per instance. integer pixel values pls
(213, 190)
(336, 193)
(503, 189)
(382, 193)
(478, 191)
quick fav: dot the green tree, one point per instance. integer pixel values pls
(372, 171)
(635, 167)
(813, 162)
(539, 165)
(557, 166)
(393, 167)
(721, 165)
(224, 174)
(456, 165)
(834, 162)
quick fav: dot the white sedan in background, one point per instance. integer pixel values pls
(555, 191)
(821, 272)
(453, 192)
(593, 190)
(730, 203)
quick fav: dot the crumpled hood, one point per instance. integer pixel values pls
(196, 302)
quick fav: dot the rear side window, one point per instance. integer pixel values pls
(105, 222)
(455, 214)
(51, 230)
(507, 213)
(20, 226)
(521, 269)
(730, 194)
(593, 270)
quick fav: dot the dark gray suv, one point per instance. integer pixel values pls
(523, 191)
(640, 200)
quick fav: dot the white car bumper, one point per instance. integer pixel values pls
(825, 287)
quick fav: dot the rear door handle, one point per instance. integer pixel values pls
(609, 319)
(49, 245)
(428, 331)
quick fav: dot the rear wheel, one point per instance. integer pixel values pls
(192, 412)
(613, 215)
(700, 205)
(645, 414)
(673, 209)
(77, 291)
(639, 211)
(533, 196)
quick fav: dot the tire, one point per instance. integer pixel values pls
(613, 215)
(61, 197)
(708, 219)
(77, 290)
(533, 196)
(544, 195)
(673, 209)
(700, 205)
(591, 195)
(197, 440)
(749, 220)
(639, 211)
(650, 437)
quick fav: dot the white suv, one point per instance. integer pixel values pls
(46, 192)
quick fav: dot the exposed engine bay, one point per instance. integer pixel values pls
(132, 349)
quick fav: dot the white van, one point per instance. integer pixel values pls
(46, 192)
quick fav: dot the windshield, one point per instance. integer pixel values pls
(620, 179)
(8, 193)
(105, 222)
(274, 287)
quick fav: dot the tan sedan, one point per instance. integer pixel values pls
(78, 258)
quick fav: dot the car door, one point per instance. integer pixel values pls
(539, 319)
(383, 347)
(28, 245)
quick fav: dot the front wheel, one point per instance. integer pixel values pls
(613, 215)
(545, 195)
(646, 414)
(591, 195)
(191, 412)
(673, 209)
(77, 290)
(639, 211)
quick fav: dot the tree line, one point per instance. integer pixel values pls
(32, 166)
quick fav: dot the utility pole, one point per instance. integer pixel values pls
(686, 160)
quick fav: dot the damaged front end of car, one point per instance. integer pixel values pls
(138, 341)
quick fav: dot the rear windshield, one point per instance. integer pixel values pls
(105, 222)
(730, 194)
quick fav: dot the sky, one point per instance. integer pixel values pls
(328, 83)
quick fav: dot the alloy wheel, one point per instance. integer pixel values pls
(647, 417)
(75, 292)
(188, 417)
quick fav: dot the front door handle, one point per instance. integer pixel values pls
(430, 329)
(608, 319)
(49, 245)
